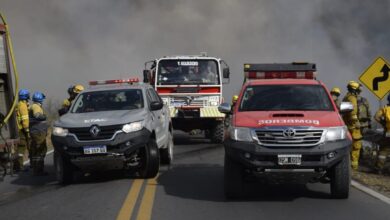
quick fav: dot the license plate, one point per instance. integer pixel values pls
(95, 149)
(290, 159)
(178, 104)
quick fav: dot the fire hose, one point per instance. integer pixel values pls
(14, 102)
(15, 70)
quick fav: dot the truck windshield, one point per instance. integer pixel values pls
(285, 97)
(109, 100)
(190, 72)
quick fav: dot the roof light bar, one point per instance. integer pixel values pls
(114, 81)
(280, 75)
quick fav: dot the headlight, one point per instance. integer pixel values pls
(213, 103)
(132, 127)
(213, 100)
(58, 131)
(336, 133)
(241, 134)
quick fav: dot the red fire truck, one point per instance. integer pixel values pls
(191, 86)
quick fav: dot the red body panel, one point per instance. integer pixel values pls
(200, 89)
(257, 119)
(282, 82)
(286, 118)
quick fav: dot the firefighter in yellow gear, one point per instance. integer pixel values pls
(335, 93)
(382, 116)
(22, 115)
(38, 131)
(234, 101)
(364, 112)
(73, 91)
(351, 119)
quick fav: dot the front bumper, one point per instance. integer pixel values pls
(118, 150)
(266, 158)
(195, 112)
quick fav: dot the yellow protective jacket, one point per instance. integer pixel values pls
(364, 110)
(22, 115)
(66, 103)
(337, 101)
(382, 116)
(38, 122)
(351, 119)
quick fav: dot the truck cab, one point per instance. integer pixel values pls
(191, 86)
(286, 128)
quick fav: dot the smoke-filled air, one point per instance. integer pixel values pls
(58, 43)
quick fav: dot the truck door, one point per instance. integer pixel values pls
(160, 120)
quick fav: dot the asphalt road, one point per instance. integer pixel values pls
(191, 188)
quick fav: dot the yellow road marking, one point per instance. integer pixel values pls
(131, 199)
(145, 210)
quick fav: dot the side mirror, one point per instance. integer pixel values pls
(225, 108)
(226, 73)
(346, 107)
(146, 76)
(154, 106)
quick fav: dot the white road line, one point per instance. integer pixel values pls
(370, 192)
(28, 161)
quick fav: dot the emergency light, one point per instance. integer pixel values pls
(295, 70)
(114, 81)
(280, 75)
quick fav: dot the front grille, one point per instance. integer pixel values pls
(184, 101)
(106, 132)
(302, 138)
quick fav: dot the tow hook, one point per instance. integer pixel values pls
(133, 161)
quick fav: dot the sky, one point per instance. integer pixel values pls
(58, 43)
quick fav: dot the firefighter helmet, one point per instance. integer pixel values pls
(353, 85)
(24, 94)
(78, 88)
(38, 97)
(234, 98)
(336, 91)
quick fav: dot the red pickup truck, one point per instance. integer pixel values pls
(285, 128)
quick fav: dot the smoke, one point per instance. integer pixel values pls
(58, 43)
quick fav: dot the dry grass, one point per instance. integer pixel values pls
(379, 183)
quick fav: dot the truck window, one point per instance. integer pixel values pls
(109, 100)
(285, 97)
(190, 72)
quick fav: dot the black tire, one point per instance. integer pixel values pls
(218, 133)
(64, 169)
(150, 158)
(340, 179)
(166, 154)
(233, 179)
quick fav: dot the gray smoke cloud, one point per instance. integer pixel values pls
(58, 43)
